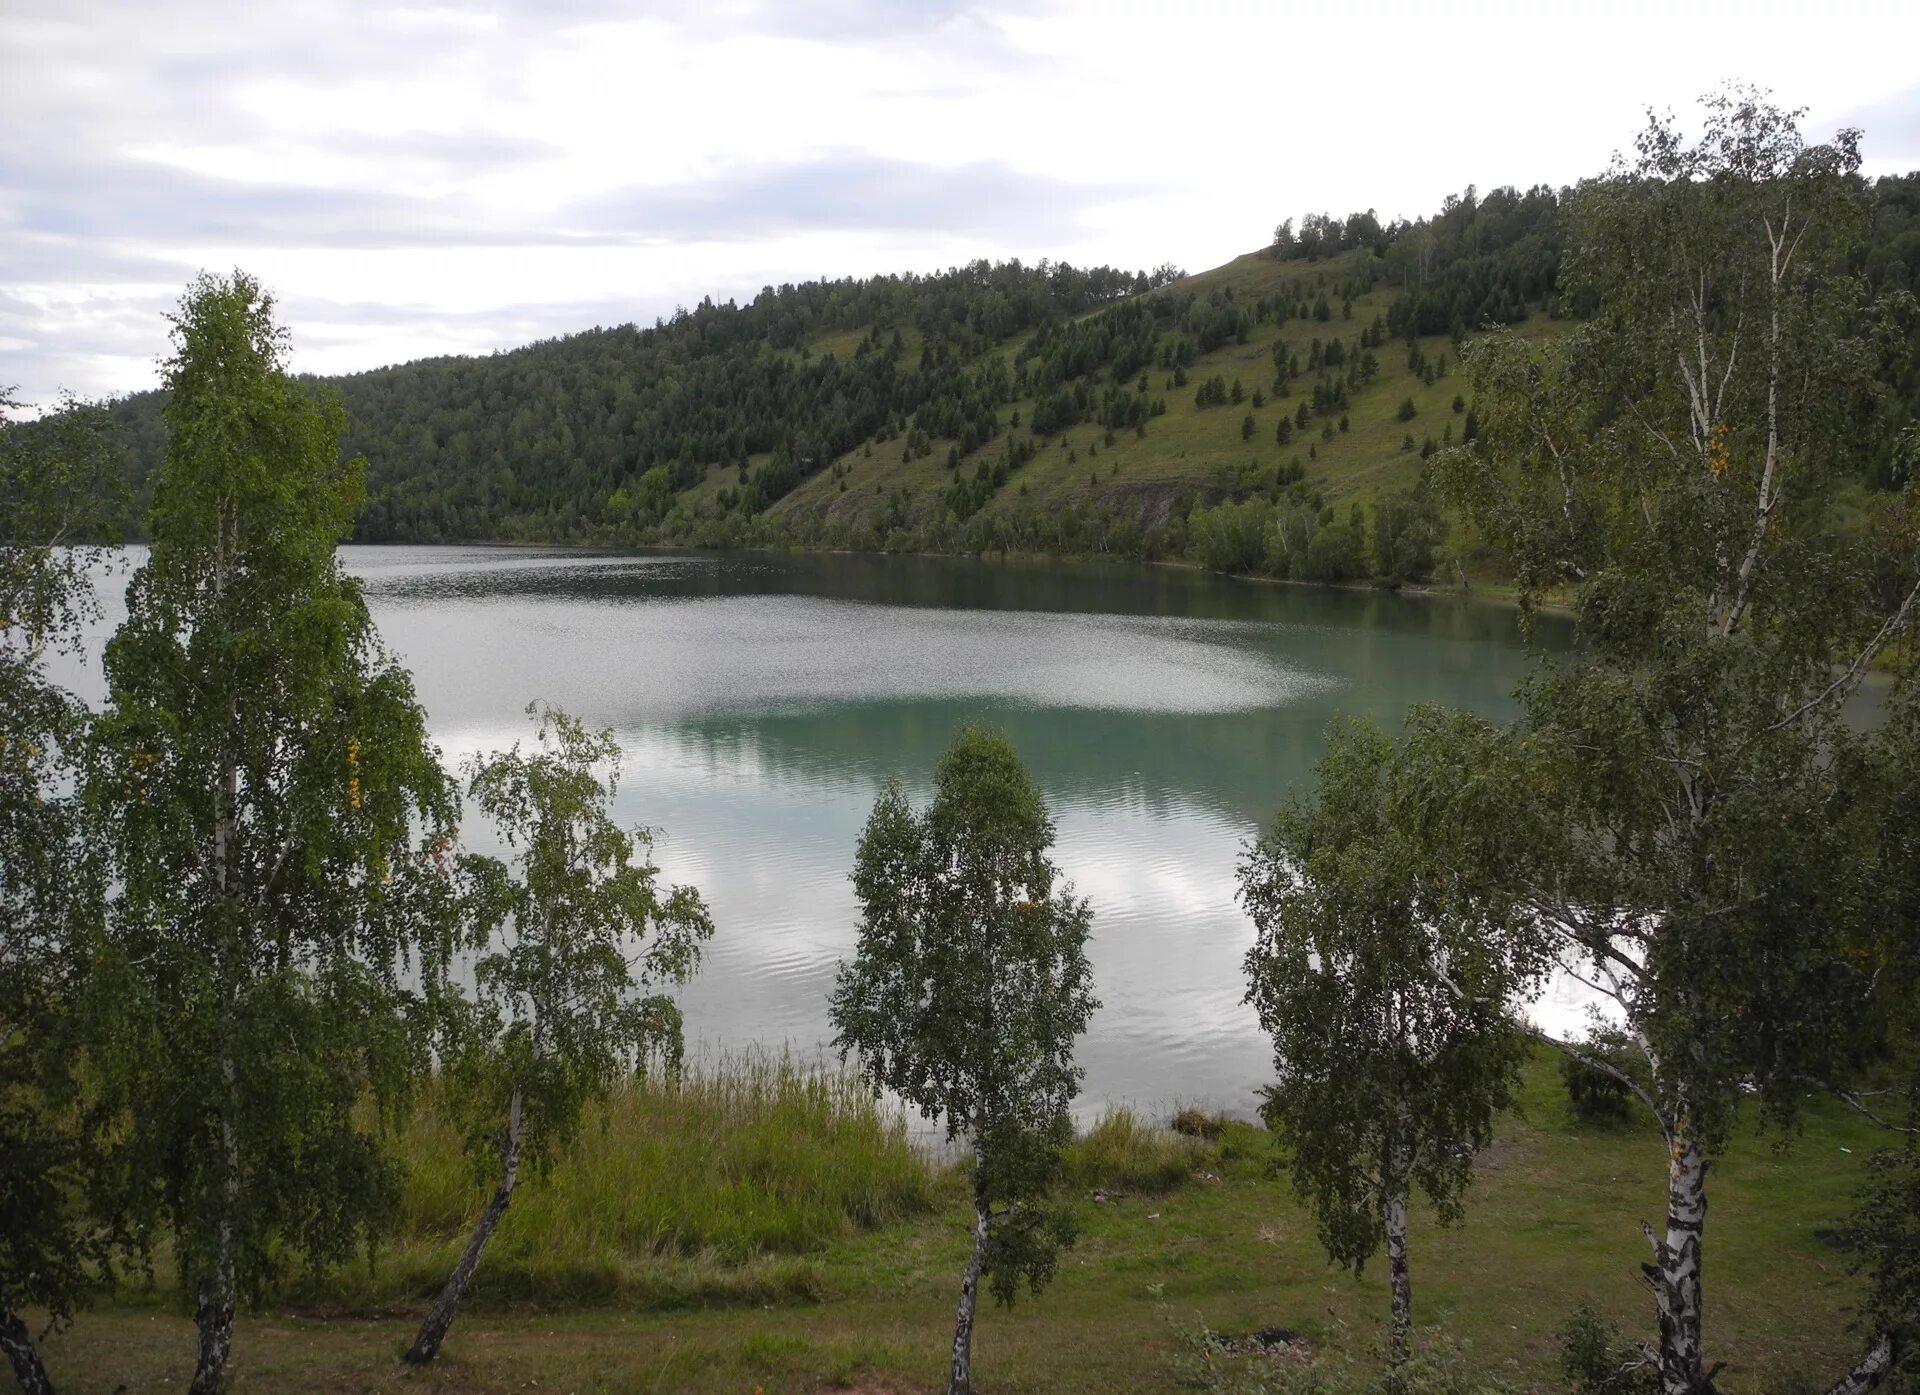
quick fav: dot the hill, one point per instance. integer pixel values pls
(1042, 408)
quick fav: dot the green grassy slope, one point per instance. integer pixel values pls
(1190, 451)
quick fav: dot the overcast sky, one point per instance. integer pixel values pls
(421, 180)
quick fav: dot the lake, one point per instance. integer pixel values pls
(762, 701)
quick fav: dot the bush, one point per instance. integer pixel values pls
(1596, 1362)
(1195, 1123)
(1594, 1096)
(1407, 410)
(1230, 538)
(1337, 551)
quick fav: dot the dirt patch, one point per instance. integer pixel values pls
(1498, 1155)
(1280, 1344)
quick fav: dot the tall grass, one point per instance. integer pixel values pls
(715, 1187)
(1121, 1153)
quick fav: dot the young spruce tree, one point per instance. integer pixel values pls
(572, 937)
(275, 816)
(966, 993)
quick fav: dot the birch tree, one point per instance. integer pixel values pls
(967, 990)
(276, 818)
(57, 493)
(575, 937)
(1709, 862)
(1384, 979)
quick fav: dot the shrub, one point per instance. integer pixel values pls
(1596, 1362)
(1196, 1123)
(1594, 1096)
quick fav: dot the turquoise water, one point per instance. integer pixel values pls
(762, 701)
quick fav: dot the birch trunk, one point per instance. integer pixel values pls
(17, 1342)
(434, 1330)
(1675, 1273)
(960, 1382)
(213, 1315)
(1874, 1367)
(213, 1312)
(1400, 1324)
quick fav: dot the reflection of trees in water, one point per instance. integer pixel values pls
(1238, 764)
(956, 583)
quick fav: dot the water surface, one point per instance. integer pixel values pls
(763, 700)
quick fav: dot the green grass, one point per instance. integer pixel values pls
(1120, 1153)
(624, 1272)
(713, 1188)
(1189, 447)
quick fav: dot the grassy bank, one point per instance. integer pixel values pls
(724, 1186)
(768, 1228)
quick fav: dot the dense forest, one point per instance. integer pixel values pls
(804, 416)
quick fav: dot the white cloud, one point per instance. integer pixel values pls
(432, 178)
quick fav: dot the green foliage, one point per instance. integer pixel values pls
(1229, 538)
(1596, 1362)
(1597, 1096)
(271, 806)
(1381, 973)
(1337, 551)
(1708, 835)
(574, 938)
(970, 984)
(1122, 1154)
(60, 1227)
(732, 1160)
(537, 443)
(1407, 528)
(1719, 601)
(1479, 261)
(1885, 1237)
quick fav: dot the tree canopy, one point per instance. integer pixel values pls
(968, 987)
(271, 805)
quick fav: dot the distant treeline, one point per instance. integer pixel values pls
(594, 436)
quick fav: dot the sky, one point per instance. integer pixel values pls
(413, 180)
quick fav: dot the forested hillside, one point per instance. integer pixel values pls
(1271, 414)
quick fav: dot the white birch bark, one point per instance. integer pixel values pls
(960, 1381)
(440, 1318)
(17, 1342)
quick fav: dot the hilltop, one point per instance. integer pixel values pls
(1042, 408)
